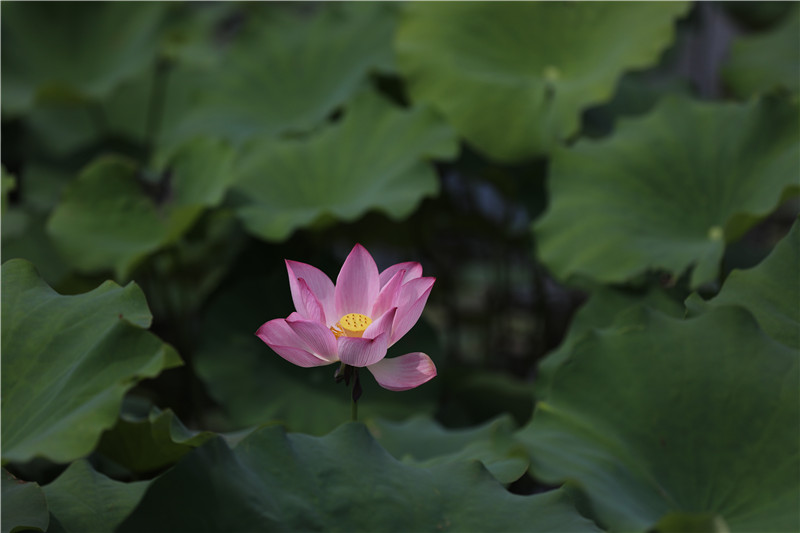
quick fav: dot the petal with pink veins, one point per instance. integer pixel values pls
(381, 325)
(387, 298)
(359, 351)
(403, 372)
(279, 336)
(412, 268)
(357, 285)
(320, 284)
(319, 340)
(410, 305)
(312, 308)
(411, 291)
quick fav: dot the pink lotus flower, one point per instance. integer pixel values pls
(356, 320)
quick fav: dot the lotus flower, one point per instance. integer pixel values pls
(356, 320)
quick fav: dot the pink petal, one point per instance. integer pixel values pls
(413, 271)
(410, 292)
(320, 284)
(311, 306)
(357, 285)
(318, 339)
(404, 372)
(359, 351)
(381, 325)
(279, 336)
(388, 295)
(411, 301)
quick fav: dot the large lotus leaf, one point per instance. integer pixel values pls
(288, 70)
(146, 445)
(108, 219)
(668, 190)
(68, 361)
(764, 61)
(771, 291)
(24, 506)
(344, 481)
(664, 415)
(605, 306)
(256, 386)
(82, 500)
(423, 441)
(73, 51)
(375, 158)
(513, 78)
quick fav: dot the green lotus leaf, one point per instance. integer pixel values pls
(690, 523)
(763, 61)
(660, 415)
(771, 291)
(344, 481)
(82, 499)
(423, 441)
(68, 361)
(110, 217)
(288, 70)
(668, 190)
(73, 52)
(255, 386)
(23, 505)
(151, 443)
(605, 307)
(513, 78)
(375, 158)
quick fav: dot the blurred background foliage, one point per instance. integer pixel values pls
(537, 159)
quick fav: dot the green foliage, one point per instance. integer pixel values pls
(68, 361)
(41, 40)
(375, 158)
(771, 291)
(513, 78)
(82, 499)
(186, 149)
(762, 62)
(343, 481)
(690, 523)
(23, 227)
(658, 415)
(24, 506)
(145, 445)
(605, 307)
(288, 70)
(421, 440)
(111, 217)
(667, 191)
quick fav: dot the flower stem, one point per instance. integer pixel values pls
(356, 395)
